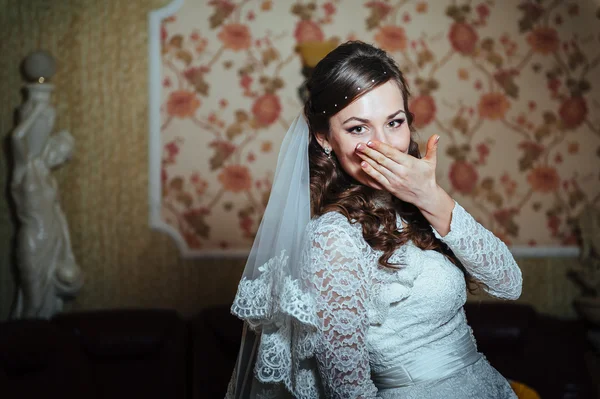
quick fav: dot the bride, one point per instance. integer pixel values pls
(357, 278)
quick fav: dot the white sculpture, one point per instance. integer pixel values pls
(47, 268)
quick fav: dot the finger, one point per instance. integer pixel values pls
(363, 150)
(385, 172)
(432, 146)
(369, 168)
(389, 151)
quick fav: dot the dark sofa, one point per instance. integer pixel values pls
(154, 353)
(116, 354)
(541, 351)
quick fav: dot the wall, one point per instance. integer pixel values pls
(509, 86)
(101, 96)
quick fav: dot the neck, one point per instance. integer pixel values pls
(39, 91)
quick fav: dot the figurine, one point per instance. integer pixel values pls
(47, 268)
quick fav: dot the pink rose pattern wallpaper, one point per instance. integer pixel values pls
(511, 86)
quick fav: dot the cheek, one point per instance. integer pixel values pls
(345, 151)
(401, 141)
(347, 155)
(350, 163)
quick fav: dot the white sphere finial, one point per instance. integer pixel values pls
(39, 66)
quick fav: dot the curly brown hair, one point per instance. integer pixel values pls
(331, 87)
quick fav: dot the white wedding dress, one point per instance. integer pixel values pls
(396, 333)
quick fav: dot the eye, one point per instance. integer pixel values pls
(396, 123)
(356, 129)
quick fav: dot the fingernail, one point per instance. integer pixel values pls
(359, 146)
(437, 139)
(370, 144)
(363, 164)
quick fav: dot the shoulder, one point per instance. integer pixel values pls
(334, 229)
(333, 244)
(332, 221)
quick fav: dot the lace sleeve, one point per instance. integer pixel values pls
(337, 272)
(483, 254)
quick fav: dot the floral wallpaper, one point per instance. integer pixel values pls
(511, 87)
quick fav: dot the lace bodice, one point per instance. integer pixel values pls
(372, 317)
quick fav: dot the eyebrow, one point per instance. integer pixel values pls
(367, 121)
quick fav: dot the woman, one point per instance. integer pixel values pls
(48, 271)
(366, 298)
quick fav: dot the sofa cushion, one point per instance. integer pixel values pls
(37, 360)
(500, 324)
(134, 353)
(120, 333)
(28, 345)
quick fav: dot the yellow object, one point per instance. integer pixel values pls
(523, 391)
(312, 52)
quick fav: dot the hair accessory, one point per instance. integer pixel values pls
(346, 97)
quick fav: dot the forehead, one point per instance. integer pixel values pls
(378, 103)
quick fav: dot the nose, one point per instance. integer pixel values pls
(379, 135)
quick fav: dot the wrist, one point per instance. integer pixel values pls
(438, 211)
(438, 201)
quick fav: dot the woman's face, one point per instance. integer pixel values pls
(378, 115)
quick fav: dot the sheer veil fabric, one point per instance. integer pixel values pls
(276, 356)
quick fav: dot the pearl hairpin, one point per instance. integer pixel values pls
(358, 88)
